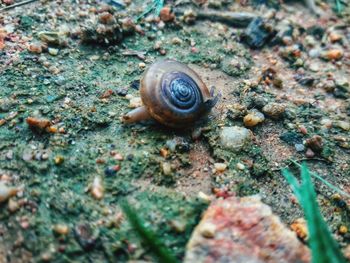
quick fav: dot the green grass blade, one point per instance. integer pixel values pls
(331, 186)
(324, 248)
(162, 253)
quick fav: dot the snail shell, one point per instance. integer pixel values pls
(172, 94)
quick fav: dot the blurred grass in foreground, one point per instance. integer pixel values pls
(324, 248)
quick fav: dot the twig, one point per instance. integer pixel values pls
(16, 5)
(237, 19)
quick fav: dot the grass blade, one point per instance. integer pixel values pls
(162, 253)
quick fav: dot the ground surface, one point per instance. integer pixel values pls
(57, 215)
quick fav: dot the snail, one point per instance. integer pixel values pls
(173, 95)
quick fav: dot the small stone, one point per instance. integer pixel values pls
(274, 110)
(235, 137)
(314, 53)
(59, 160)
(164, 152)
(343, 230)
(86, 235)
(122, 92)
(300, 228)
(207, 229)
(13, 205)
(220, 167)
(61, 229)
(97, 189)
(253, 118)
(178, 226)
(107, 18)
(309, 153)
(35, 48)
(135, 102)
(310, 41)
(166, 168)
(344, 125)
(240, 166)
(299, 147)
(166, 15)
(142, 65)
(7, 192)
(334, 37)
(258, 33)
(315, 67)
(204, 197)
(315, 143)
(9, 155)
(53, 51)
(60, 80)
(176, 41)
(303, 129)
(333, 54)
(112, 170)
(46, 257)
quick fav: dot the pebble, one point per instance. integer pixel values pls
(235, 137)
(135, 102)
(112, 170)
(315, 143)
(60, 80)
(176, 41)
(274, 110)
(343, 230)
(207, 230)
(315, 67)
(178, 226)
(334, 37)
(86, 235)
(13, 205)
(309, 153)
(344, 125)
(299, 147)
(61, 229)
(300, 228)
(53, 51)
(220, 167)
(314, 53)
(97, 189)
(35, 48)
(122, 92)
(332, 54)
(6, 192)
(166, 15)
(240, 166)
(204, 197)
(253, 118)
(166, 168)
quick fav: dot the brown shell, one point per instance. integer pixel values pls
(151, 93)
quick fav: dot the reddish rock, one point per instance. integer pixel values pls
(243, 230)
(315, 143)
(166, 15)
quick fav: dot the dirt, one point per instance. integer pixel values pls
(78, 92)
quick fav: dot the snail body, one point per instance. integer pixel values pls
(172, 94)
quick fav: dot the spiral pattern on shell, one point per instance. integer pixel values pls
(180, 92)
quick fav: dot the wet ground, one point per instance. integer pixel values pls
(71, 173)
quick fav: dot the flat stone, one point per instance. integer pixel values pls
(243, 230)
(235, 137)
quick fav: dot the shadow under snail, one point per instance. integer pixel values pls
(172, 94)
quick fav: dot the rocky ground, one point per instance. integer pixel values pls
(70, 69)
